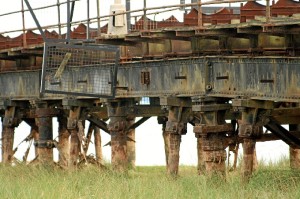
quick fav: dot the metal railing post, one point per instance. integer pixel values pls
(23, 23)
(98, 17)
(59, 21)
(268, 11)
(68, 21)
(145, 15)
(200, 19)
(88, 19)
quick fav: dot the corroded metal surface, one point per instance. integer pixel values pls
(248, 152)
(63, 142)
(45, 144)
(176, 127)
(202, 71)
(7, 144)
(98, 146)
(131, 149)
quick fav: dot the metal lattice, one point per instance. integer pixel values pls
(97, 65)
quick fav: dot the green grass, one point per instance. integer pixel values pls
(274, 181)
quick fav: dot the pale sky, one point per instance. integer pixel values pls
(149, 141)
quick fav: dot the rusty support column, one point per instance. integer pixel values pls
(8, 135)
(117, 112)
(200, 154)
(294, 153)
(35, 133)
(210, 129)
(98, 147)
(117, 127)
(131, 146)
(72, 126)
(63, 142)
(214, 153)
(174, 128)
(249, 131)
(166, 137)
(7, 144)
(248, 160)
(163, 122)
(45, 141)
(8, 130)
(89, 133)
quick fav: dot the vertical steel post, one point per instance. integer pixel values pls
(145, 16)
(98, 18)
(68, 21)
(23, 23)
(200, 20)
(128, 15)
(59, 20)
(88, 19)
(268, 11)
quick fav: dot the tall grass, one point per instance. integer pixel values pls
(145, 182)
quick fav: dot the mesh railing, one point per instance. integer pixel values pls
(80, 70)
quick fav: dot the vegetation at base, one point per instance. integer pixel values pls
(273, 181)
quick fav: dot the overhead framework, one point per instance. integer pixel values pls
(238, 64)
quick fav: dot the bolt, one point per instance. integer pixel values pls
(208, 87)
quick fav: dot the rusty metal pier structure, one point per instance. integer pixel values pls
(229, 73)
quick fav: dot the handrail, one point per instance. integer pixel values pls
(104, 17)
(39, 8)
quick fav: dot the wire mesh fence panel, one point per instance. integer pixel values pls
(80, 70)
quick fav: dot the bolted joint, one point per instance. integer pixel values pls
(179, 128)
(117, 126)
(49, 144)
(215, 156)
(10, 122)
(249, 131)
(201, 130)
